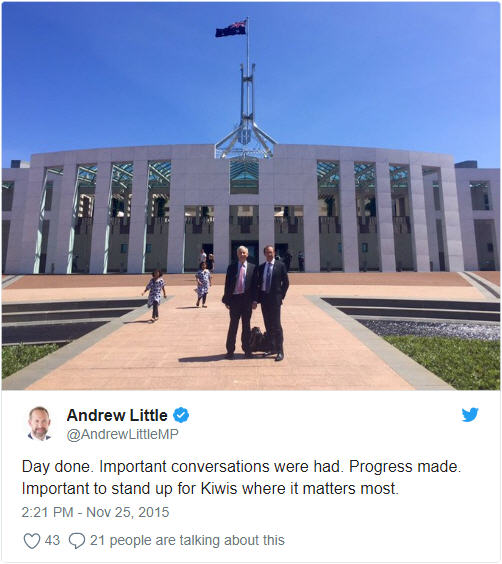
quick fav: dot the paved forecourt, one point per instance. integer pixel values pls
(184, 350)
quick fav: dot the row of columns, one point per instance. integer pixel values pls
(64, 206)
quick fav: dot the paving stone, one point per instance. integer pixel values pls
(185, 349)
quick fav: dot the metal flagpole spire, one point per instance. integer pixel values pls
(247, 64)
(247, 140)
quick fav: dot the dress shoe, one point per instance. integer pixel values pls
(248, 354)
(229, 356)
(279, 357)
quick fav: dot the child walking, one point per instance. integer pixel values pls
(203, 278)
(156, 286)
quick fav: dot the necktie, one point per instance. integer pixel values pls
(269, 277)
(240, 283)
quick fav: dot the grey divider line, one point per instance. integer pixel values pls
(487, 288)
(422, 320)
(80, 300)
(27, 376)
(62, 321)
(10, 281)
(415, 374)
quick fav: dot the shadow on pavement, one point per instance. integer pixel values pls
(208, 358)
(215, 357)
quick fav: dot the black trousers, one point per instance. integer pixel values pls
(240, 308)
(272, 317)
(155, 312)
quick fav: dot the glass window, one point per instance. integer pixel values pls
(365, 196)
(400, 194)
(123, 248)
(48, 197)
(244, 176)
(52, 174)
(7, 195)
(328, 205)
(437, 195)
(157, 216)
(480, 195)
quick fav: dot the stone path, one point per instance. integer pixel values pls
(184, 350)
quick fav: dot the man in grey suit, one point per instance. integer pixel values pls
(270, 289)
(238, 297)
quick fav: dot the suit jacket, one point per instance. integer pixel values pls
(278, 285)
(231, 280)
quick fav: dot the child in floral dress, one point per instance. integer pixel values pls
(156, 286)
(203, 278)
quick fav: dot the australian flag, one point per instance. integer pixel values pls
(237, 28)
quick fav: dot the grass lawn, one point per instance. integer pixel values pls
(464, 364)
(16, 357)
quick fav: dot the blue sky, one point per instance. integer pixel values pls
(417, 76)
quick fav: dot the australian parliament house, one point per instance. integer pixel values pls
(347, 209)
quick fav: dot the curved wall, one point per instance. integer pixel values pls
(376, 229)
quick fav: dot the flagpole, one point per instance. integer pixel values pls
(247, 43)
(247, 129)
(247, 66)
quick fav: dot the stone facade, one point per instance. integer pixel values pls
(112, 210)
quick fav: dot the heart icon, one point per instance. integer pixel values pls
(31, 541)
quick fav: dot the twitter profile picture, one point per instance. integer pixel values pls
(39, 422)
(470, 415)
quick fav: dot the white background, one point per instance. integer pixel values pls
(435, 517)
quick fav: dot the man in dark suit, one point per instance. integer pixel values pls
(272, 283)
(238, 298)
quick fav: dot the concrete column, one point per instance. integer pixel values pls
(57, 187)
(311, 237)
(453, 241)
(137, 228)
(176, 239)
(467, 222)
(64, 216)
(221, 237)
(419, 243)
(24, 222)
(266, 231)
(494, 186)
(431, 216)
(348, 217)
(101, 220)
(385, 226)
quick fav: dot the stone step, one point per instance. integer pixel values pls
(415, 304)
(65, 315)
(465, 315)
(72, 305)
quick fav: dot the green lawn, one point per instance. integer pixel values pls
(464, 364)
(16, 357)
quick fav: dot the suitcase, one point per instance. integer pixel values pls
(258, 341)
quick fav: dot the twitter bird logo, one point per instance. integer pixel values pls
(470, 415)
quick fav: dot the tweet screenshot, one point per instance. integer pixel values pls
(250, 477)
(250, 282)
